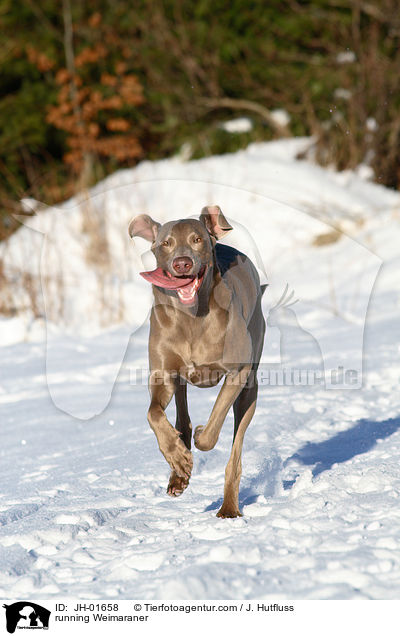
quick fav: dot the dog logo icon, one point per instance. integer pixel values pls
(26, 615)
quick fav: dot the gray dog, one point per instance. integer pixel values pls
(206, 324)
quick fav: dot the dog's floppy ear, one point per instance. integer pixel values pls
(144, 226)
(215, 222)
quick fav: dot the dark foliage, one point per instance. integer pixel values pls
(88, 87)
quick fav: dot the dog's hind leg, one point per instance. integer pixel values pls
(178, 484)
(243, 409)
(183, 424)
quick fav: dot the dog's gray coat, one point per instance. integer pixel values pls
(219, 336)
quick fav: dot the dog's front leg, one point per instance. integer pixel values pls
(162, 387)
(205, 437)
(177, 484)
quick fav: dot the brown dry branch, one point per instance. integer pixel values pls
(6, 304)
(245, 104)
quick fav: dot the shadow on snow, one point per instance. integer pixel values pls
(345, 445)
(322, 455)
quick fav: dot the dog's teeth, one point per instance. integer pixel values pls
(188, 293)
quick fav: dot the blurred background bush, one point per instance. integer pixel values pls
(90, 87)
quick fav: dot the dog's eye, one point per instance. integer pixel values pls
(198, 239)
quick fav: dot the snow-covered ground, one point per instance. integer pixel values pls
(83, 505)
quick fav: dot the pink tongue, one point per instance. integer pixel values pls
(159, 278)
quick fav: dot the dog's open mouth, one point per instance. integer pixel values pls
(185, 286)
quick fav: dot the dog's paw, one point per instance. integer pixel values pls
(226, 512)
(177, 484)
(201, 441)
(197, 436)
(180, 460)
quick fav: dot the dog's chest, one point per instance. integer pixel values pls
(200, 352)
(203, 353)
(202, 372)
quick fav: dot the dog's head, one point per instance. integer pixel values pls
(184, 250)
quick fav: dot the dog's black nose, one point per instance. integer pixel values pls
(182, 264)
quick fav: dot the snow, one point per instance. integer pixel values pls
(346, 57)
(83, 507)
(281, 117)
(238, 125)
(12, 330)
(342, 93)
(371, 124)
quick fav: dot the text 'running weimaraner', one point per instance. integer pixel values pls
(206, 324)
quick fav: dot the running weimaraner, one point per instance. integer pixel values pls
(206, 323)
